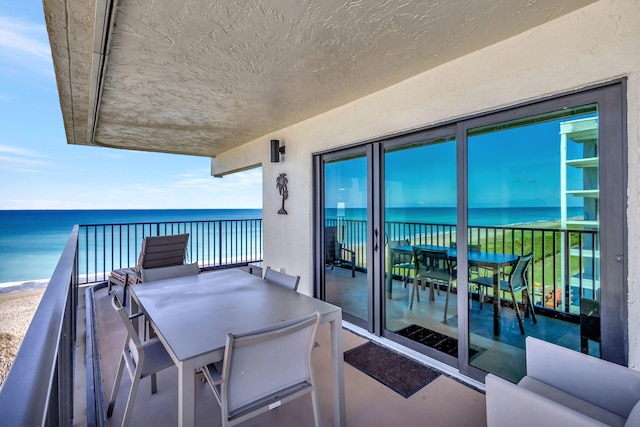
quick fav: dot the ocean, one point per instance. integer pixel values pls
(31, 241)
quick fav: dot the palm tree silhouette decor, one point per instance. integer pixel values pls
(281, 185)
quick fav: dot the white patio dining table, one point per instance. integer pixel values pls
(192, 316)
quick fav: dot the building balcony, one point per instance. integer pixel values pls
(66, 366)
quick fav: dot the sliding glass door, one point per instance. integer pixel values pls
(420, 211)
(533, 205)
(344, 227)
(491, 229)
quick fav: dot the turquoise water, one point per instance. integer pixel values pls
(31, 241)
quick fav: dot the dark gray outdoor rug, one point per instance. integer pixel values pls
(436, 340)
(399, 373)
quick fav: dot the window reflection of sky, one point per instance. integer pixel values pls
(514, 167)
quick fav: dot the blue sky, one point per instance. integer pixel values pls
(39, 170)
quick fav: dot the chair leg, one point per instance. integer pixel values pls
(446, 301)
(154, 384)
(517, 308)
(116, 385)
(135, 382)
(414, 291)
(529, 305)
(316, 407)
(584, 345)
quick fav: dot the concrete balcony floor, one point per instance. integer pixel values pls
(444, 402)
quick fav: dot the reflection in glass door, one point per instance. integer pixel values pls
(345, 233)
(533, 215)
(421, 293)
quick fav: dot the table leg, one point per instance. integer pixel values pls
(496, 301)
(186, 395)
(337, 358)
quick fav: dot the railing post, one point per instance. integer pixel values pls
(219, 242)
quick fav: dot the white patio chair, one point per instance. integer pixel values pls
(141, 359)
(162, 273)
(285, 280)
(265, 368)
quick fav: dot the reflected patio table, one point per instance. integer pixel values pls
(493, 261)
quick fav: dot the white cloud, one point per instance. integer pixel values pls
(24, 51)
(8, 149)
(9, 162)
(20, 159)
(38, 204)
(235, 183)
(23, 38)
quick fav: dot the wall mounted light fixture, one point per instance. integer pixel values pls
(276, 151)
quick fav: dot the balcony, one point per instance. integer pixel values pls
(55, 378)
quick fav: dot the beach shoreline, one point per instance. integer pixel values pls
(17, 308)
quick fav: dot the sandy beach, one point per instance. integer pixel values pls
(16, 311)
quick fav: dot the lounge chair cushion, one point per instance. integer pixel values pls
(572, 402)
(120, 274)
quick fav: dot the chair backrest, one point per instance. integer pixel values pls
(470, 248)
(267, 362)
(163, 251)
(284, 280)
(518, 277)
(331, 245)
(437, 261)
(398, 257)
(151, 274)
(133, 339)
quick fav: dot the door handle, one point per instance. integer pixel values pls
(375, 239)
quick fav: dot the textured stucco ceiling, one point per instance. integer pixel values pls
(199, 77)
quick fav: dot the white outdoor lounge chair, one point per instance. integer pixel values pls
(156, 252)
(564, 388)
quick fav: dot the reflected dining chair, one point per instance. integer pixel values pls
(139, 358)
(285, 280)
(473, 268)
(436, 268)
(336, 254)
(517, 281)
(401, 260)
(265, 368)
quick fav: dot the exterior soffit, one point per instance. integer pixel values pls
(200, 78)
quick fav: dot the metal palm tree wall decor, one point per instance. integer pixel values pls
(281, 185)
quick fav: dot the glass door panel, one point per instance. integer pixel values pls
(533, 221)
(345, 234)
(420, 208)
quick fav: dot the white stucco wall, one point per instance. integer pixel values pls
(595, 44)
